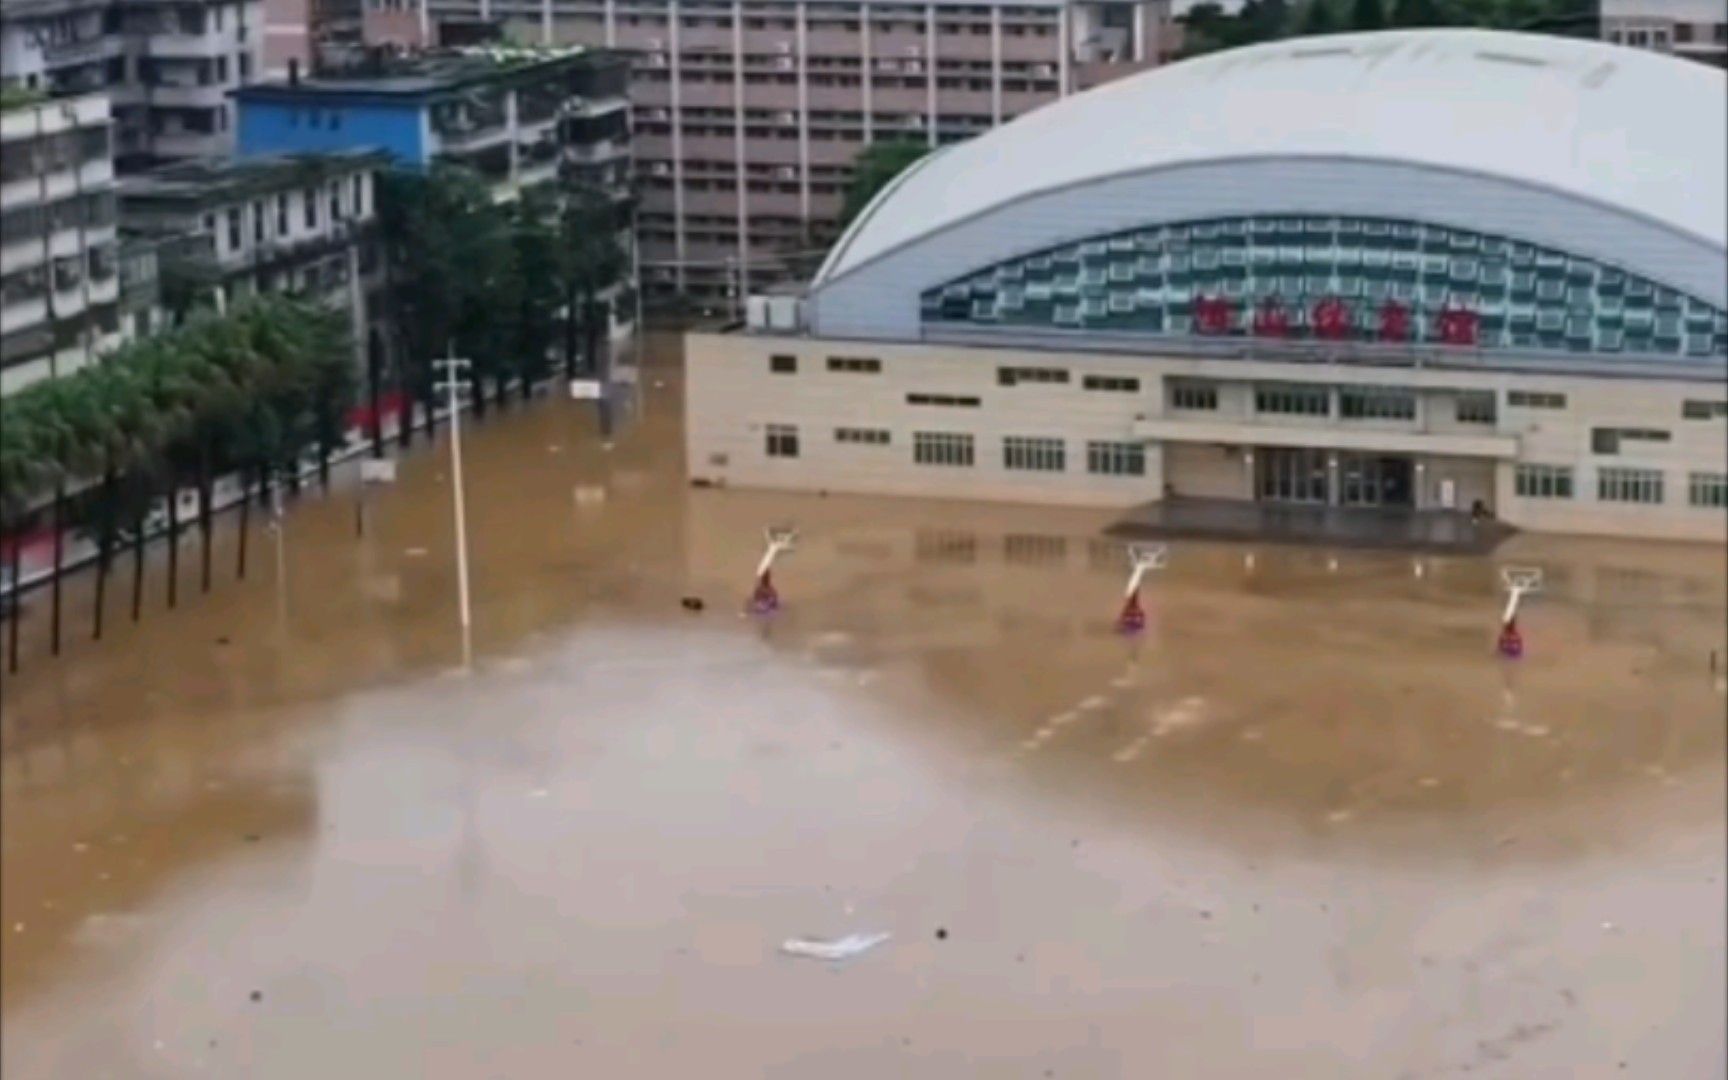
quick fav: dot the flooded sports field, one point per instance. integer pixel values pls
(1307, 825)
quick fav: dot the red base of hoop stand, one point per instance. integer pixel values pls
(1511, 641)
(1132, 620)
(763, 599)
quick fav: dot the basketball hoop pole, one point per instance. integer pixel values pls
(1141, 560)
(764, 598)
(1519, 582)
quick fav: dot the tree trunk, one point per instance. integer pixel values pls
(204, 522)
(501, 389)
(571, 299)
(325, 449)
(374, 392)
(59, 559)
(247, 476)
(173, 545)
(138, 526)
(17, 615)
(104, 549)
(291, 472)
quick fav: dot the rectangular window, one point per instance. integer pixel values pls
(1534, 399)
(234, 228)
(1543, 482)
(257, 222)
(1027, 454)
(1629, 485)
(1009, 376)
(1116, 459)
(1193, 396)
(862, 436)
(1703, 410)
(857, 365)
(1292, 399)
(282, 215)
(1608, 440)
(1376, 403)
(309, 205)
(1118, 384)
(947, 448)
(1708, 490)
(1477, 407)
(782, 440)
(782, 364)
(947, 401)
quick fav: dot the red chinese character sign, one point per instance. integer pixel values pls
(1331, 319)
(1271, 320)
(1394, 321)
(1456, 326)
(1212, 315)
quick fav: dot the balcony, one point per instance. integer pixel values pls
(82, 51)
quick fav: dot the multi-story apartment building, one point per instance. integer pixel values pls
(296, 223)
(518, 117)
(58, 255)
(750, 113)
(1695, 29)
(167, 66)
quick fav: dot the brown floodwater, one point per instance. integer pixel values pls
(1307, 826)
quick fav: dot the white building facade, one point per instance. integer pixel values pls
(1694, 29)
(59, 256)
(1356, 278)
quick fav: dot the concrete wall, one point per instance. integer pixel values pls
(733, 396)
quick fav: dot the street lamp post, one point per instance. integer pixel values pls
(453, 374)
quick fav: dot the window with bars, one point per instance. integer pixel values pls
(1709, 490)
(1476, 407)
(947, 448)
(1119, 384)
(862, 436)
(1016, 376)
(1031, 454)
(1703, 410)
(1543, 482)
(949, 401)
(783, 364)
(1292, 399)
(1629, 485)
(857, 365)
(1607, 441)
(781, 440)
(1190, 396)
(1376, 403)
(1115, 459)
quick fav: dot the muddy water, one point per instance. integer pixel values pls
(1305, 826)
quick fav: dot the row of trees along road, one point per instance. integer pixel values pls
(510, 286)
(1208, 28)
(250, 392)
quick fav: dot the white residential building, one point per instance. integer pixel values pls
(1695, 29)
(59, 280)
(168, 67)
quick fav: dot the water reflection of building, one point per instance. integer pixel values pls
(1444, 302)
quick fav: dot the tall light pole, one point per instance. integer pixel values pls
(453, 375)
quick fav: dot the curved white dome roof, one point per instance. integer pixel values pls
(1638, 131)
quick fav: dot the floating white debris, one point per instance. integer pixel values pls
(17, 928)
(415, 552)
(1091, 703)
(835, 949)
(1428, 782)
(1064, 719)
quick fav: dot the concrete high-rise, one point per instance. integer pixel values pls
(749, 114)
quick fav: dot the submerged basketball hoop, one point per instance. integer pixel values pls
(1142, 560)
(778, 539)
(1519, 582)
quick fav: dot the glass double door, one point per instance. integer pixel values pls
(1292, 475)
(1301, 475)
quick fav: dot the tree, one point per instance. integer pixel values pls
(875, 168)
(590, 262)
(1368, 15)
(1318, 19)
(1415, 13)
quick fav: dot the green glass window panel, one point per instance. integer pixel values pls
(1523, 255)
(1464, 269)
(984, 309)
(1611, 339)
(1668, 326)
(1093, 275)
(1233, 227)
(1066, 314)
(1092, 248)
(1040, 291)
(1318, 286)
(1667, 300)
(1405, 231)
(1149, 265)
(1124, 242)
(1403, 290)
(1178, 296)
(1639, 289)
(1149, 296)
(1579, 297)
(1579, 270)
(1376, 257)
(1493, 246)
(1178, 263)
(1463, 241)
(1066, 255)
(1234, 258)
(1350, 285)
(1205, 259)
(1012, 299)
(1205, 230)
(1579, 326)
(1177, 234)
(1550, 291)
(1093, 305)
(1698, 344)
(1375, 288)
(1038, 262)
(1011, 272)
(1121, 271)
(1317, 256)
(1349, 257)
(1121, 302)
(1349, 226)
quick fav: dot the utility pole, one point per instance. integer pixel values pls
(453, 375)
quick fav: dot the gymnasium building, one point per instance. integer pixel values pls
(1435, 270)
